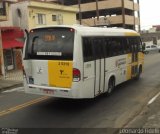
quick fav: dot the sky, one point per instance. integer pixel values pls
(149, 13)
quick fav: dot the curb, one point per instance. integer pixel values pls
(147, 111)
(11, 87)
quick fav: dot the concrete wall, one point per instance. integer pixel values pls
(158, 42)
(22, 20)
(103, 21)
(106, 4)
(29, 11)
(153, 38)
(136, 7)
(150, 35)
(67, 18)
(111, 20)
(130, 5)
(151, 42)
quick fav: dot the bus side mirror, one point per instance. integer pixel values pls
(27, 33)
(143, 47)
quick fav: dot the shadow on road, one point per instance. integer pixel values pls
(70, 105)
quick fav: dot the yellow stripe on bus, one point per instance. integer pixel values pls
(129, 66)
(60, 73)
(131, 34)
(134, 63)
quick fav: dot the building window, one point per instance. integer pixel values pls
(2, 8)
(40, 19)
(87, 49)
(8, 55)
(54, 17)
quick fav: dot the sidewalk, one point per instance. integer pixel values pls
(153, 118)
(149, 118)
(12, 79)
(9, 84)
(14, 75)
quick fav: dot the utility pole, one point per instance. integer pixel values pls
(134, 27)
(2, 57)
(139, 26)
(61, 2)
(123, 14)
(80, 13)
(97, 10)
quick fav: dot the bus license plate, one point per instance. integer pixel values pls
(48, 91)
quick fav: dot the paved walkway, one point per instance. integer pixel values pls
(153, 121)
(8, 84)
(149, 118)
(153, 118)
(15, 75)
(13, 79)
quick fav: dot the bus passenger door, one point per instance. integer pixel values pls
(134, 66)
(98, 53)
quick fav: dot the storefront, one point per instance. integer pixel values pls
(12, 47)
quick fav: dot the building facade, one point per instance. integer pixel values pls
(10, 44)
(112, 13)
(16, 15)
(30, 14)
(12, 47)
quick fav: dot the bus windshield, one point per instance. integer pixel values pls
(50, 43)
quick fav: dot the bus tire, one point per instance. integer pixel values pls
(139, 73)
(111, 85)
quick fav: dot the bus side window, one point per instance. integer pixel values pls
(117, 46)
(110, 48)
(114, 48)
(124, 45)
(87, 49)
(134, 43)
(139, 45)
(131, 42)
(128, 46)
(97, 48)
(120, 46)
(106, 48)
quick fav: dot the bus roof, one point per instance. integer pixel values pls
(84, 30)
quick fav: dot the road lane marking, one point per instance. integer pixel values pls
(18, 107)
(14, 89)
(153, 99)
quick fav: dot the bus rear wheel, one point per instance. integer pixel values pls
(111, 85)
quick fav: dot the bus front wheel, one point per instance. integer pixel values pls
(139, 73)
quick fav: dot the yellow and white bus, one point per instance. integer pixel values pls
(80, 62)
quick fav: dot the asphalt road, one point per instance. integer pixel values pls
(20, 110)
